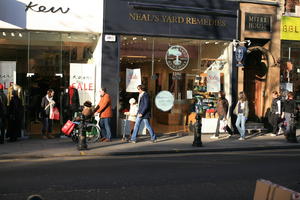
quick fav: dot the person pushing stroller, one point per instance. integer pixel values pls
(81, 120)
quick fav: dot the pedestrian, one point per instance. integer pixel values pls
(3, 114)
(104, 109)
(15, 115)
(241, 110)
(144, 113)
(289, 114)
(222, 110)
(275, 114)
(132, 114)
(47, 105)
(82, 120)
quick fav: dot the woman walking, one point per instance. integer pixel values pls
(241, 110)
(289, 113)
(47, 105)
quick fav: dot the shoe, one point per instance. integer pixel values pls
(45, 137)
(107, 140)
(214, 137)
(132, 141)
(102, 139)
(241, 138)
(154, 141)
(273, 135)
(50, 136)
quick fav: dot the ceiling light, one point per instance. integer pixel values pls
(144, 39)
(134, 38)
(20, 35)
(12, 34)
(216, 42)
(124, 38)
(206, 42)
(3, 33)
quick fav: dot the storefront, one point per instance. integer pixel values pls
(290, 51)
(259, 32)
(182, 48)
(42, 43)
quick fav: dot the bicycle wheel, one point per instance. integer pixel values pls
(92, 132)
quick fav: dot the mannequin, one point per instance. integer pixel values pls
(15, 112)
(70, 103)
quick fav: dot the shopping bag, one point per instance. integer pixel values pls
(68, 127)
(223, 124)
(54, 114)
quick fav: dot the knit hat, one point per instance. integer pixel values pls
(87, 104)
(132, 101)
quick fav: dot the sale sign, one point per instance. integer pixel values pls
(82, 77)
(133, 79)
(7, 74)
(213, 81)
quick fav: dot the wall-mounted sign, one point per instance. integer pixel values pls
(164, 101)
(240, 55)
(290, 28)
(258, 22)
(177, 58)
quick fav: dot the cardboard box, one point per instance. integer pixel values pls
(266, 190)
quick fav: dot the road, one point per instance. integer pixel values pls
(230, 175)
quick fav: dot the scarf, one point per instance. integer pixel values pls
(51, 103)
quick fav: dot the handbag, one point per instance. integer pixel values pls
(223, 124)
(54, 114)
(68, 127)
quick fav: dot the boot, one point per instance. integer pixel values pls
(82, 142)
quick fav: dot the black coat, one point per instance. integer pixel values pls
(145, 106)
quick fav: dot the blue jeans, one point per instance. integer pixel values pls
(137, 126)
(105, 127)
(240, 124)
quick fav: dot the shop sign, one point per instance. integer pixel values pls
(60, 15)
(133, 79)
(7, 73)
(177, 58)
(164, 101)
(213, 81)
(290, 28)
(258, 22)
(82, 77)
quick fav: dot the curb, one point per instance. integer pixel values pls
(157, 152)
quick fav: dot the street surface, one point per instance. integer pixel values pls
(210, 176)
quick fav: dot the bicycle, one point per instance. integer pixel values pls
(91, 129)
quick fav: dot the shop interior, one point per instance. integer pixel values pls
(42, 62)
(188, 85)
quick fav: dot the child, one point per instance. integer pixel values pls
(132, 114)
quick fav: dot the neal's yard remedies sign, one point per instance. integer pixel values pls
(258, 22)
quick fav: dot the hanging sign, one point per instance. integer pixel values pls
(213, 81)
(133, 79)
(164, 101)
(177, 58)
(7, 73)
(82, 77)
(240, 55)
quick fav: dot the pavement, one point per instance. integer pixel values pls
(166, 144)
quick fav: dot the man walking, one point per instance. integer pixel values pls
(144, 113)
(105, 111)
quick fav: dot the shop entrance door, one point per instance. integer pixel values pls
(254, 81)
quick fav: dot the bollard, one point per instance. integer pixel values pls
(197, 132)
